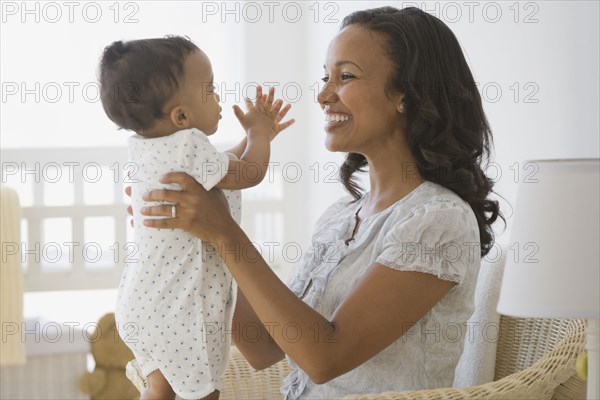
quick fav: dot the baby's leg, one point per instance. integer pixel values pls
(158, 388)
(213, 396)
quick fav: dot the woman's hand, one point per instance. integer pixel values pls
(204, 214)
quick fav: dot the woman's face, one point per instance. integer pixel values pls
(359, 115)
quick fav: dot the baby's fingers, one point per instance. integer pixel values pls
(238, 112)
(259, 94)
(269, 104)
(286, 124)
(282, 113)
(249, 104)
(276, 107)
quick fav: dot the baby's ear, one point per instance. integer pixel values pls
(179, 117)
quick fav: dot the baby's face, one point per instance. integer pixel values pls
(197, 93)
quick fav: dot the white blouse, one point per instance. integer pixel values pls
(431, 230)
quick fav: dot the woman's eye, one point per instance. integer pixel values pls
(343, 77)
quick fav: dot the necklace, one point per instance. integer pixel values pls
(356, 220)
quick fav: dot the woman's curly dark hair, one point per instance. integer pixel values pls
(448, 133)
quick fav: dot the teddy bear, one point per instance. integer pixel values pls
(108, 380)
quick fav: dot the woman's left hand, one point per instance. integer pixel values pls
(204, 214)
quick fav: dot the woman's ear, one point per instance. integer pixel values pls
(400, 104)
(179, 117)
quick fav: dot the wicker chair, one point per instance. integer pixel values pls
(535, 359)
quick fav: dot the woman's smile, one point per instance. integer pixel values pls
(335, 120)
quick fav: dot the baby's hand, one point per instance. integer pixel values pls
(265, 115)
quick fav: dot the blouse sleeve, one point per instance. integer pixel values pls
(437, 238)
(202, 160)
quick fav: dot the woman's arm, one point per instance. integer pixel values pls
(252, 338)
(378, 310)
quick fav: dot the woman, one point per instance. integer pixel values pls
(381, 300)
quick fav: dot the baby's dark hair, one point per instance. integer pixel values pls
(138, 77)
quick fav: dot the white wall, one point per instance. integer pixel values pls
(50, 56)
(548, 50)
(546, 53)
(558, 57)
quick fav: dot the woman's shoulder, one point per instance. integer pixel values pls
(433, 208)
(431, 197)
(431, 226)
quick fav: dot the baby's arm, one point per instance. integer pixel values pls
(251, 168)
(239, 148)
(261, 123)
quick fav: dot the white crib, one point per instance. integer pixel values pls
(76, 236)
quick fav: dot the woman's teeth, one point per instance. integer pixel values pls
(337, 117)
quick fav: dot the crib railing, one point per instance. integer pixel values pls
(69, 199)
(75, 227)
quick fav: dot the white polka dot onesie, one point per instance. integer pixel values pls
(176, 299)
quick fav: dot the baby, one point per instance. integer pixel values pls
(179, 293)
